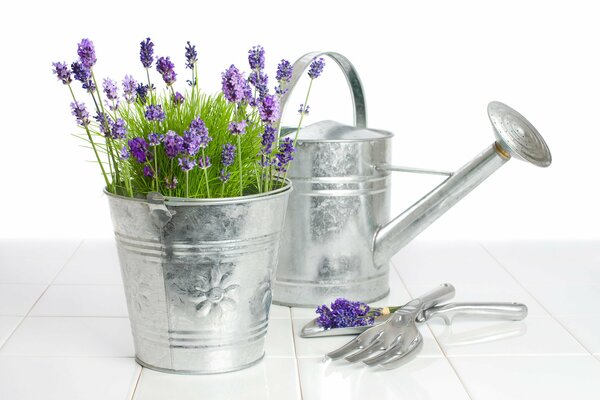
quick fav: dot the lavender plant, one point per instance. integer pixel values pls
(185, 144)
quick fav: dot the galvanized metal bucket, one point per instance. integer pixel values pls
(197, 276)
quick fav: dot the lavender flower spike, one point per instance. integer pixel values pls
(118, 129)
(171, 183)
(268, 109)
(148, 171)
(228, 154)
(155, 113)
(224, 176)
(304, 110)
(285, 155)
(86, 53)
(83, 75)
(173, 144)
(166, 68)
(234, 85)
(63, 73)
(147, 53)
(178, 99)
(186, 164)
(268, 138)
(191, 56)
(316, 67)
(129, 89)
(204, 162)
(139, 149)
(284, 72)
(142, 92)
(237, 128)
(154, 139)
(110, 89)
(124, 154)
(81, 114)
(256, 58)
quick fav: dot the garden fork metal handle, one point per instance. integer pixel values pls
(438, 295)
(506, 311)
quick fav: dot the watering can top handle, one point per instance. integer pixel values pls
(354, 83)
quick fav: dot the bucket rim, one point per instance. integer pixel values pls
(182, 201)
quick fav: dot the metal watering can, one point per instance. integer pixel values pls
(338, 236)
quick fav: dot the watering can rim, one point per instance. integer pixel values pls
(383, 134)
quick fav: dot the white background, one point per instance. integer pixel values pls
(429, 70)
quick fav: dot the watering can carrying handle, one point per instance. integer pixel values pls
(354, 83)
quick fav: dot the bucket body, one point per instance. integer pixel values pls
(340, 199)
(198, 275)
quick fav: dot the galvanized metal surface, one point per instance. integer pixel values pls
(198, 275)
(338, 236)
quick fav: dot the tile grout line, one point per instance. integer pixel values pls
(137, 382)
(435, 338)
(536, 299)
(42, 294)
(296, 354)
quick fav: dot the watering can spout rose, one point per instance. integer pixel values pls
(338, 236)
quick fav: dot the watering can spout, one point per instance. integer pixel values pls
(515, 137)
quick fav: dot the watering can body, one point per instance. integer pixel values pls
(339, 236)
(340, 200)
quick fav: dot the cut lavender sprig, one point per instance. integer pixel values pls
(344, 313)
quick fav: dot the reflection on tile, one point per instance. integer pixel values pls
(59, 378)
(530, 377)
(534, 335)
(318, 347)
(17, 299)
(82, 301)
(7, 326)
(272, 378)
(549, 262)
(585, 327)
(422, 378)
(424, 263)
(33, 261)
(279, 341)
(279, 312)
(95, 263)
(62, 336)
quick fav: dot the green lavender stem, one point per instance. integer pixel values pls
(239, 142)
(206, 175)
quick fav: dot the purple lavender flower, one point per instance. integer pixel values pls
(228, 154)
(63, 73)
(204, 162)
(186, 163)
(284, 72)
(316, 67)
(171, 183)
(268, 109)
(343, 314)
(268, 137)
(196, 137)
(166, 68)
(142, 92)
(260, 81)
(256, 58)
(148, 171)
(155, 113)
(139, 149)
(285, 155)
(80, 113)
(118, 129)
(237, 128)
(224, 176)
(304, 109)
(234, 85)
(129, 88)
(86, 53)
(104, 122)
(190, 55)
(110, 89)
(178, 98)
(124, 153)
(154, 139)
(173, 144)
(83, 75)
(147, 53)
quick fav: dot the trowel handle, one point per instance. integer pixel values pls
(356, 88)
(504, 311)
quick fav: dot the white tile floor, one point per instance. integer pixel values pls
(64, 333)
